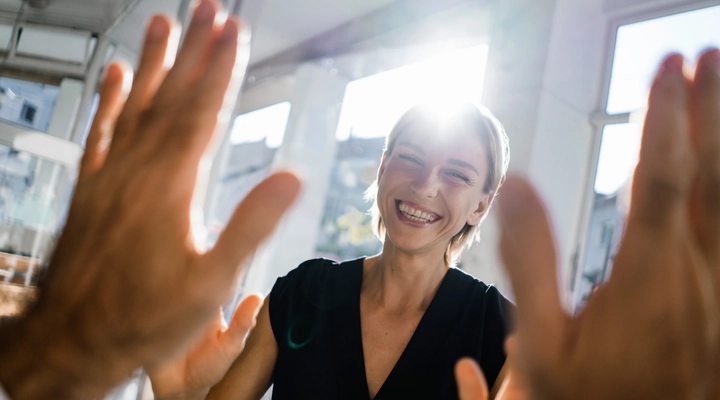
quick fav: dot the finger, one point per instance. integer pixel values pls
(706, 133)
(112, 97)
(665, 171)
(470, 380)
(233, 338)
(195, 47)
(528, 252)
(200, 116)
(252, 222)
(155, 60)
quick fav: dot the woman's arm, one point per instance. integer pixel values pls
(250, 375)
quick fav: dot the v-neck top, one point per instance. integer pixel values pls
(315, 317)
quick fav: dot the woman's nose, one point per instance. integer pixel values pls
(425, 184)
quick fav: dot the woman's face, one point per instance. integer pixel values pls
(430, 186)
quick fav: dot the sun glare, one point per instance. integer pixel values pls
(373, 104)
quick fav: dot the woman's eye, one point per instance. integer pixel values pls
(410, 158)
(459, 176)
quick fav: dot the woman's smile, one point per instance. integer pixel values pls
(415, 215)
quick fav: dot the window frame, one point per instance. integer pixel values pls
(600, 118)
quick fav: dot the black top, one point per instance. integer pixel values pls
(315, 316)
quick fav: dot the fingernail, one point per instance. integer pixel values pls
(230, 30)
(158, 28)
(672, 66)
(204, 12)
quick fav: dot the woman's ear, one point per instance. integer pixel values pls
(481, 209)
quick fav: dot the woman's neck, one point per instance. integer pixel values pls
(398, 281)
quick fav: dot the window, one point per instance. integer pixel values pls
(246, 160)
(370, 108)
(26, 103)
(28, 112)
(639, 48)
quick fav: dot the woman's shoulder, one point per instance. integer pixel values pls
(481, 294)
(320, 281)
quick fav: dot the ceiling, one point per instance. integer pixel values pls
(93, 15)
(278, 25)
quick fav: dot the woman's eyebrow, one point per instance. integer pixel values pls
(412, 146)
(461, 163)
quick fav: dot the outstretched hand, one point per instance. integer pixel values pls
(653, 330)
(127, 285)
(472, 385)
(192, 375)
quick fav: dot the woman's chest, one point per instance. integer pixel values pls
(384, 339)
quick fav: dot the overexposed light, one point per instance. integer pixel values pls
(372, 105)
(641, 47)
(266, 123)
(619, 153)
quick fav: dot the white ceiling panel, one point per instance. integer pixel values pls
(279, 25)
(286, 23)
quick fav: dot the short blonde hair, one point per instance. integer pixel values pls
(496, 146)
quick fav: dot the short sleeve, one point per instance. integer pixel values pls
(300, 300)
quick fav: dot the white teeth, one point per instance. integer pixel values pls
(416, 215)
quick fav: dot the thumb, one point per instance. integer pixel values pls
(233, 339)
(528, 252)
(470, 380)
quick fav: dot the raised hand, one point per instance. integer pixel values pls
(127, 285)
(653, 330)
(191, 375)
(471, 381)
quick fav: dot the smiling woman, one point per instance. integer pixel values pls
(393, 325)
(478, 136)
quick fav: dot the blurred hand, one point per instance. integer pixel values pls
(471, 381)
(191, 375)
(652, 331)
(127, 285)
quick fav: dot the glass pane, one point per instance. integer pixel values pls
(34, 199)
(370, 108)
(618, 156)
(245, 161)
(26, 103)
(372, 105)
(640, 48)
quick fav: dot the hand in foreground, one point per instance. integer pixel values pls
(471, 381)
(652, 331)
(127, 285)
(191, 375)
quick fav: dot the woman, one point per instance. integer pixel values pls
(393, 325)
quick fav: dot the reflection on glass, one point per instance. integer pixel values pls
(26, 103)
(640, 48)
(254, 139)
(618, 156)
(34, 198)
(370, 108)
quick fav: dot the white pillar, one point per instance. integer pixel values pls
(66, 108)
(309, 148)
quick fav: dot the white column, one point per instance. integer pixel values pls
(309, 148)
(66, 108)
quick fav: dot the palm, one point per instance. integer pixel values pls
(204, 365)
(651, 331)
